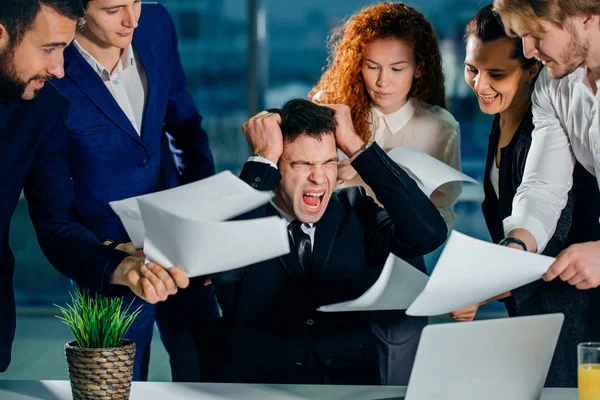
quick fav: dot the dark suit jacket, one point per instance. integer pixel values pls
(275, 333)
(578, 223)
(33, 155)
(109, 160)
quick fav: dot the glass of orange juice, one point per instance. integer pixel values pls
(588, 372)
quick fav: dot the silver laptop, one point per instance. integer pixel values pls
(501, 359)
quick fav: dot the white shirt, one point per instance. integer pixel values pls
(309, 229)
(128, 83)
(565, 115)
(430, 129)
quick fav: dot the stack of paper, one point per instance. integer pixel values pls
(184, 226)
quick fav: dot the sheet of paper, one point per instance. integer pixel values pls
(428, 172)
(217, 198)
(470, 271)
(397, 287)
(201, 248)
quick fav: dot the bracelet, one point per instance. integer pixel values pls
(509, 240)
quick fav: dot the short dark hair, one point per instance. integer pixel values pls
(18, 16)
(303, 117)
(487, 26)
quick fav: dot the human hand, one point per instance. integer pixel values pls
(263, 134)
(579, 265)
(346, 171)
(151, 282)
(465, 314)
(345, 136)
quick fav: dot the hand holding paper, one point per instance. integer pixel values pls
(470, 271)
(184, 226)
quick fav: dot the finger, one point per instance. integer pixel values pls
(585, 285)
(165, 277)
(159, 286)
(207, 282)
(575, 280)
(180, 278)
(557, 268)
(568, 274)
(344, 163)
(148, 292)
(273, 117)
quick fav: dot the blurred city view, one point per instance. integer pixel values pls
(214, 46)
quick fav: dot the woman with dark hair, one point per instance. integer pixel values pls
(385, 64)
(503, 79)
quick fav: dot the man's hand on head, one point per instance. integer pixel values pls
(345, 136)
(263, 134)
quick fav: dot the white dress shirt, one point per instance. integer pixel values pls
(565, 115)
(128, 83)
(430, 129)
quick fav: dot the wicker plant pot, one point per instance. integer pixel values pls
(100, 374)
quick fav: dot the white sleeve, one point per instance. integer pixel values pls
(262, 160)
(548, 174)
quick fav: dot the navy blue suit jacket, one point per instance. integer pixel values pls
(33, 156)
(109, 160)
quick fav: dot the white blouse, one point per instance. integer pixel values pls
(430, 129)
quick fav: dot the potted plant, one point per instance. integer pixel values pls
(100, 361)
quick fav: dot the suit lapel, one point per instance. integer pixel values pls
(326, 231)
(150, 63)
(88, 81)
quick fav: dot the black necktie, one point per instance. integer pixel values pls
(302, 243)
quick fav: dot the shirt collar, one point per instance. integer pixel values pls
(286, 216)
(127, 59)
(579, 75)
(396, 120)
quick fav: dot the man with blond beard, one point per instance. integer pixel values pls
(565, 36)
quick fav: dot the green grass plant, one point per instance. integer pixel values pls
(97, 322)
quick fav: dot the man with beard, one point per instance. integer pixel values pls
(565, 36)
(33, 156)
(339, 240)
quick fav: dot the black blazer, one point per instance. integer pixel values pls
(275, 334)
(578, 223)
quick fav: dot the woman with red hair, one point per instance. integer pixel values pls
(385, 64)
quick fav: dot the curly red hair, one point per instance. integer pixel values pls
(342, 82)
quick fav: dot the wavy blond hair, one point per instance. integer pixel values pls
(342, 82)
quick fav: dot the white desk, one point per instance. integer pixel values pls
(61, 390)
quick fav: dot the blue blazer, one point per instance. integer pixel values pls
(109, 160)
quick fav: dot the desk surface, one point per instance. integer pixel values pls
(61, 390)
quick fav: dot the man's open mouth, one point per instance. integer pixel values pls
(313, 200)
